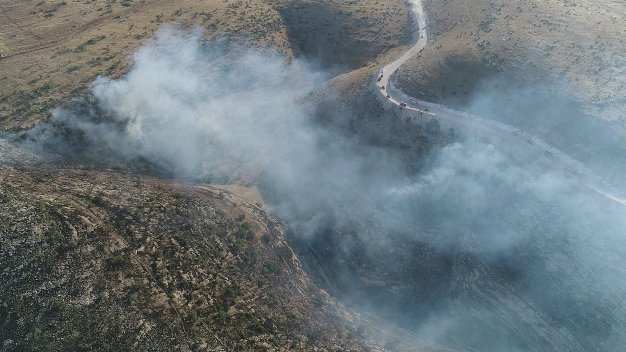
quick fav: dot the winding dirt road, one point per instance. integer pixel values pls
(386, 73)
(515, 141)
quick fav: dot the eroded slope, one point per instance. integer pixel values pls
(108, 261)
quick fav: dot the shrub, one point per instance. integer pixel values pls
(270, 267)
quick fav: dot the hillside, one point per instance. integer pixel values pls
(224, 175)
(106, 260)
(115, 256)
(561, 48)
(54, 49)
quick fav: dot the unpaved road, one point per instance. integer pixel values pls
(390, 69)
(510, 138)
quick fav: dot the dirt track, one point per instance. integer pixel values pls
(511, 137)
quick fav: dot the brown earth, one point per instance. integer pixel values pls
(579, 45)
(109, 259)
(106, 260)
(113, 259)
(54, 49)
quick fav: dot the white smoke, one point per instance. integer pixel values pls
(182, 103)
(194, 108)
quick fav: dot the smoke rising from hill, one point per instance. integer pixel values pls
(531, 259)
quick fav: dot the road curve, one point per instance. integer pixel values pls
(508, 137)
(386, 73)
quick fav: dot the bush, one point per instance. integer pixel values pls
(244, 232)
(116, 263)
(270, 267)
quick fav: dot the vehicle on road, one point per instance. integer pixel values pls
(403, 104)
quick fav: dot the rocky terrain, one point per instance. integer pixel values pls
(106, 260)
(107, 257)
(374, 232)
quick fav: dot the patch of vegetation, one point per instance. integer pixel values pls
(72, 68)
(95, 40)
(270, 267)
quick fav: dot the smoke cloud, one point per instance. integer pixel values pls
(475, 249)
(536, 103)
(184, 103)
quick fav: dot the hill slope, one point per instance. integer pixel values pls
(576, 43)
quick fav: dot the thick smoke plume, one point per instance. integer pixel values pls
(535, 103)
(475, 249)
(184, 103)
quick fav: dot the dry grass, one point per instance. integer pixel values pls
(106, 260)
(345, 35)
(134, 262)
(55, 48)
(579, 42)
